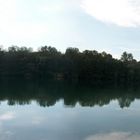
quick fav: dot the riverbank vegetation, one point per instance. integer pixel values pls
(89, 66)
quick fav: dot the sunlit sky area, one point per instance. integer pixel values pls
(104, 25)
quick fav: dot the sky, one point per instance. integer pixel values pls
(103, 25)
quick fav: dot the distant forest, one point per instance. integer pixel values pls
(89, 66)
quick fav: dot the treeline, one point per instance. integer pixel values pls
(89, 66)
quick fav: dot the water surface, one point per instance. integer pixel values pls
(68, 112)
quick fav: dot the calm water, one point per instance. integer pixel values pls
(63, 112)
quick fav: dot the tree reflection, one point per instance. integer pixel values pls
(48, 93)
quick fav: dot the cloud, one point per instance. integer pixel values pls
(115, 136)
(13, 26)
(7, 116)
(7, 10)
(125, 13)
(129, 49)
(37, 120)
(23, 31)
(52, 9)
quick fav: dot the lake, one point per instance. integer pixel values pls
(58, 111)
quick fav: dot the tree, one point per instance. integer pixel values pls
(13, 49)
(24, 49)
(43, 49)
(71, 51)
(126, 57)
(48, 50)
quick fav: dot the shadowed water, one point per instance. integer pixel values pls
(62, 111)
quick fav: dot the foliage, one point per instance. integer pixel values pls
(89, 66)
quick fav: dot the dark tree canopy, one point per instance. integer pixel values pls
(126, 57)
(88, 66)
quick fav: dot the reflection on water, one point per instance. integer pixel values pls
(115, 136)
(58, 111)
(47, 94)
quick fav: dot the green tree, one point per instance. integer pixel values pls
(126, 57)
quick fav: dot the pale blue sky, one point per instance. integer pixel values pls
(104, 25)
